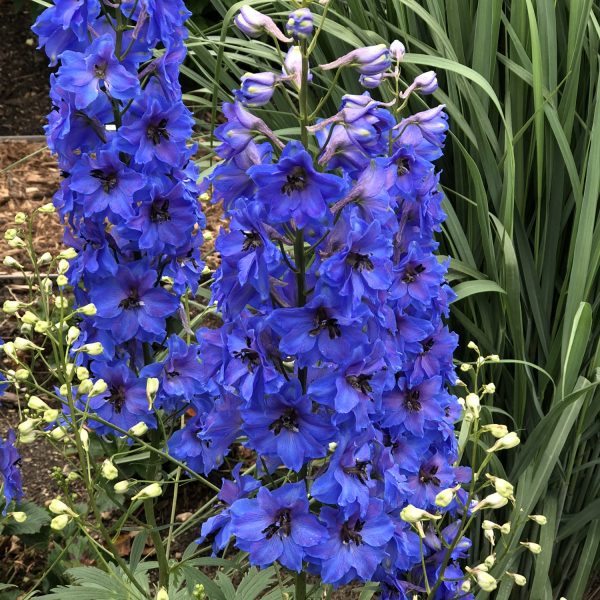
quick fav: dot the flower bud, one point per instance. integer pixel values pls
(253, 24)
(510, 440)
(162, 594)
(412, 514)
(397, 50)
(19, 516)
(47, 209)
(10, 234)
(492, 501)
(518, 579)
(36, 403)
(20, 218)
(27, 426)
(63, 266)
(198, 592)
(84, 436)
(257, 89)
(25, 344)
(59, 522)
(489, 388)
(81, 373)
(68, 254)
(58, 507)
(485, 581)
(9, 350)
(47, 285)
(493, 358)
(490, 536)
(73, 335)
(539, 519)
(444, 498)
(29, 318)
(473, 346)
(152, 385)
(489, 525)
(73, 476)
(472, 404)
(93, 349)
(84, 388)
(505, 528)
(42, 326)
(22, 374)
(44, 259)
(498, 431)
(465, 586)
(28, 438)
(371, 81)
(370, 60)
(300, 24)
(10, 307)
(121, 486)
(61, 281)
(61, 303)
(150, 491)
(16, 242)
(139, 429)
(464, 367)
(11, 263)
(503, 487)
(89, 310)
(490, 561)
(109, 471)
(532, 547)
(99, 387)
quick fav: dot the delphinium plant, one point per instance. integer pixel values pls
(324, 397)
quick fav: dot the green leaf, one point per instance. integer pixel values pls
(37, 518)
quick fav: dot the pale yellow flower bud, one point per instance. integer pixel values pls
(505, 529)
(27, 426)
(58, 507)
(518, 579)
(492, 501)
(11, 263)
(44, 259)
(150, 491)
(68, 254)
(152, 385)
(16, 242)
(50, 415)
(503, 487)
(490, 561)
(61, 281)
(25, 344)
(490, 536)
(444, 498)
(63, 266)
(489, 388)
(465, 367)
(61, 303)
(489, 525)
(85, 387)
(58, 434)
(109, 471)
(412, 514)
(139, 429)
(59, 522)
(84, 436)
(42, 326)
(93, 349)
(82, 373)
(121, 486)
(498, 431)
(29, 318)
(22, 374)
(36, 403)
(532, 547)
(10, 307)
(473, 405)
(162, 594)
(10, 234)
(510, 440)
(47, 209)
(484, 580)
(89, 310)
(493, 358)
(465, 586)
(73, 334)
(473, 346)
(20, 218)
(539, 519)
(19, 516)
(99, 387)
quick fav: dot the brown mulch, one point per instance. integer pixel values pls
(24, 74)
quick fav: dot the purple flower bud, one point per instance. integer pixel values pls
(397, 50)
(254, 23)
(425, 83)
(369, 61)
(292, 66)
(300, 24)
(371, 81)
(257, 88)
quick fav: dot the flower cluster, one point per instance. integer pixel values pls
(11, 487)
(129, 197)
(333, 359)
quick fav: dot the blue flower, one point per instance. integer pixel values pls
(97, 70)
(286, 427)
(356, 543)
(12, 487)
(130, 303)
(293, 189)
(277, 525)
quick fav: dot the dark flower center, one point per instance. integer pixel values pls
(359, 470)
(412, 403)
(428, 345)
(428, 475)
(402, 166)
(324, 322)
(294, 182)
(411, 273)
(288, 420)
(359, 262)
(360, 382)
(132, 301)
(117, 397)
(251, 241)
(282, 524)
(108, 181)
(158, 132)
(100, 71)
(248, 356)
(352, 534)
(172, 374)
(159, 211)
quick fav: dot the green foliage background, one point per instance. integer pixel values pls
(522, 177)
